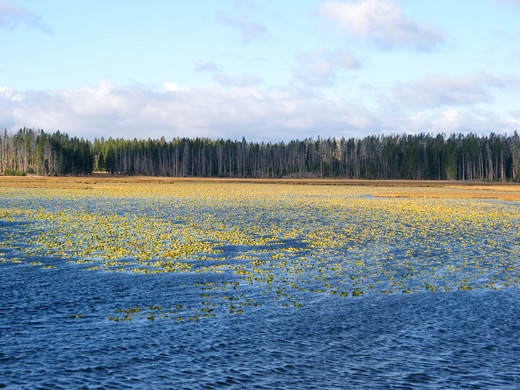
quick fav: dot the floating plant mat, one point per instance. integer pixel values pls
(237, 246)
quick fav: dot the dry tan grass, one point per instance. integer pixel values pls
(466, 194)
(386, 188)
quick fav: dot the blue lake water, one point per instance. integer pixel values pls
(58, 327)
(448, 340)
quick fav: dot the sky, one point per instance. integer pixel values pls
(265, 70)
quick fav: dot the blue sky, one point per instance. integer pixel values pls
(264, 70)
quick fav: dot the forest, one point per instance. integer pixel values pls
(495, 157)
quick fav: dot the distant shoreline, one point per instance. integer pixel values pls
(393, 188)
(118, 178)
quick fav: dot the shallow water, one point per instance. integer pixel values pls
(462, 339)
(278, 322)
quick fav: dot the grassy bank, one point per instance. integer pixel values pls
(385, 188)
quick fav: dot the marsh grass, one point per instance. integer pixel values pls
(407, 188)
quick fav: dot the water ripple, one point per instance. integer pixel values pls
(466, 339)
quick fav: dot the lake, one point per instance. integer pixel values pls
(261, 286)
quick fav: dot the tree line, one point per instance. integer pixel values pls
(495, 157)
(36, 152)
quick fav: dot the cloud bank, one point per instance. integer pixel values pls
(180, 112)
(435, 104)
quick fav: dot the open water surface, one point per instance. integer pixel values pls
(57, 329)
(461, 339)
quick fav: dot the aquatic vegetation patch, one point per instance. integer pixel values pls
(242, 245)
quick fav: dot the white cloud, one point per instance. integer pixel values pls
(9, 94)
(12, 14)
(445, 90)
(441, 103)
(444, 103)
(206, 112)
(381, 20)
(320, 67)
(454, 120)
(260, 115)
(172, 87)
